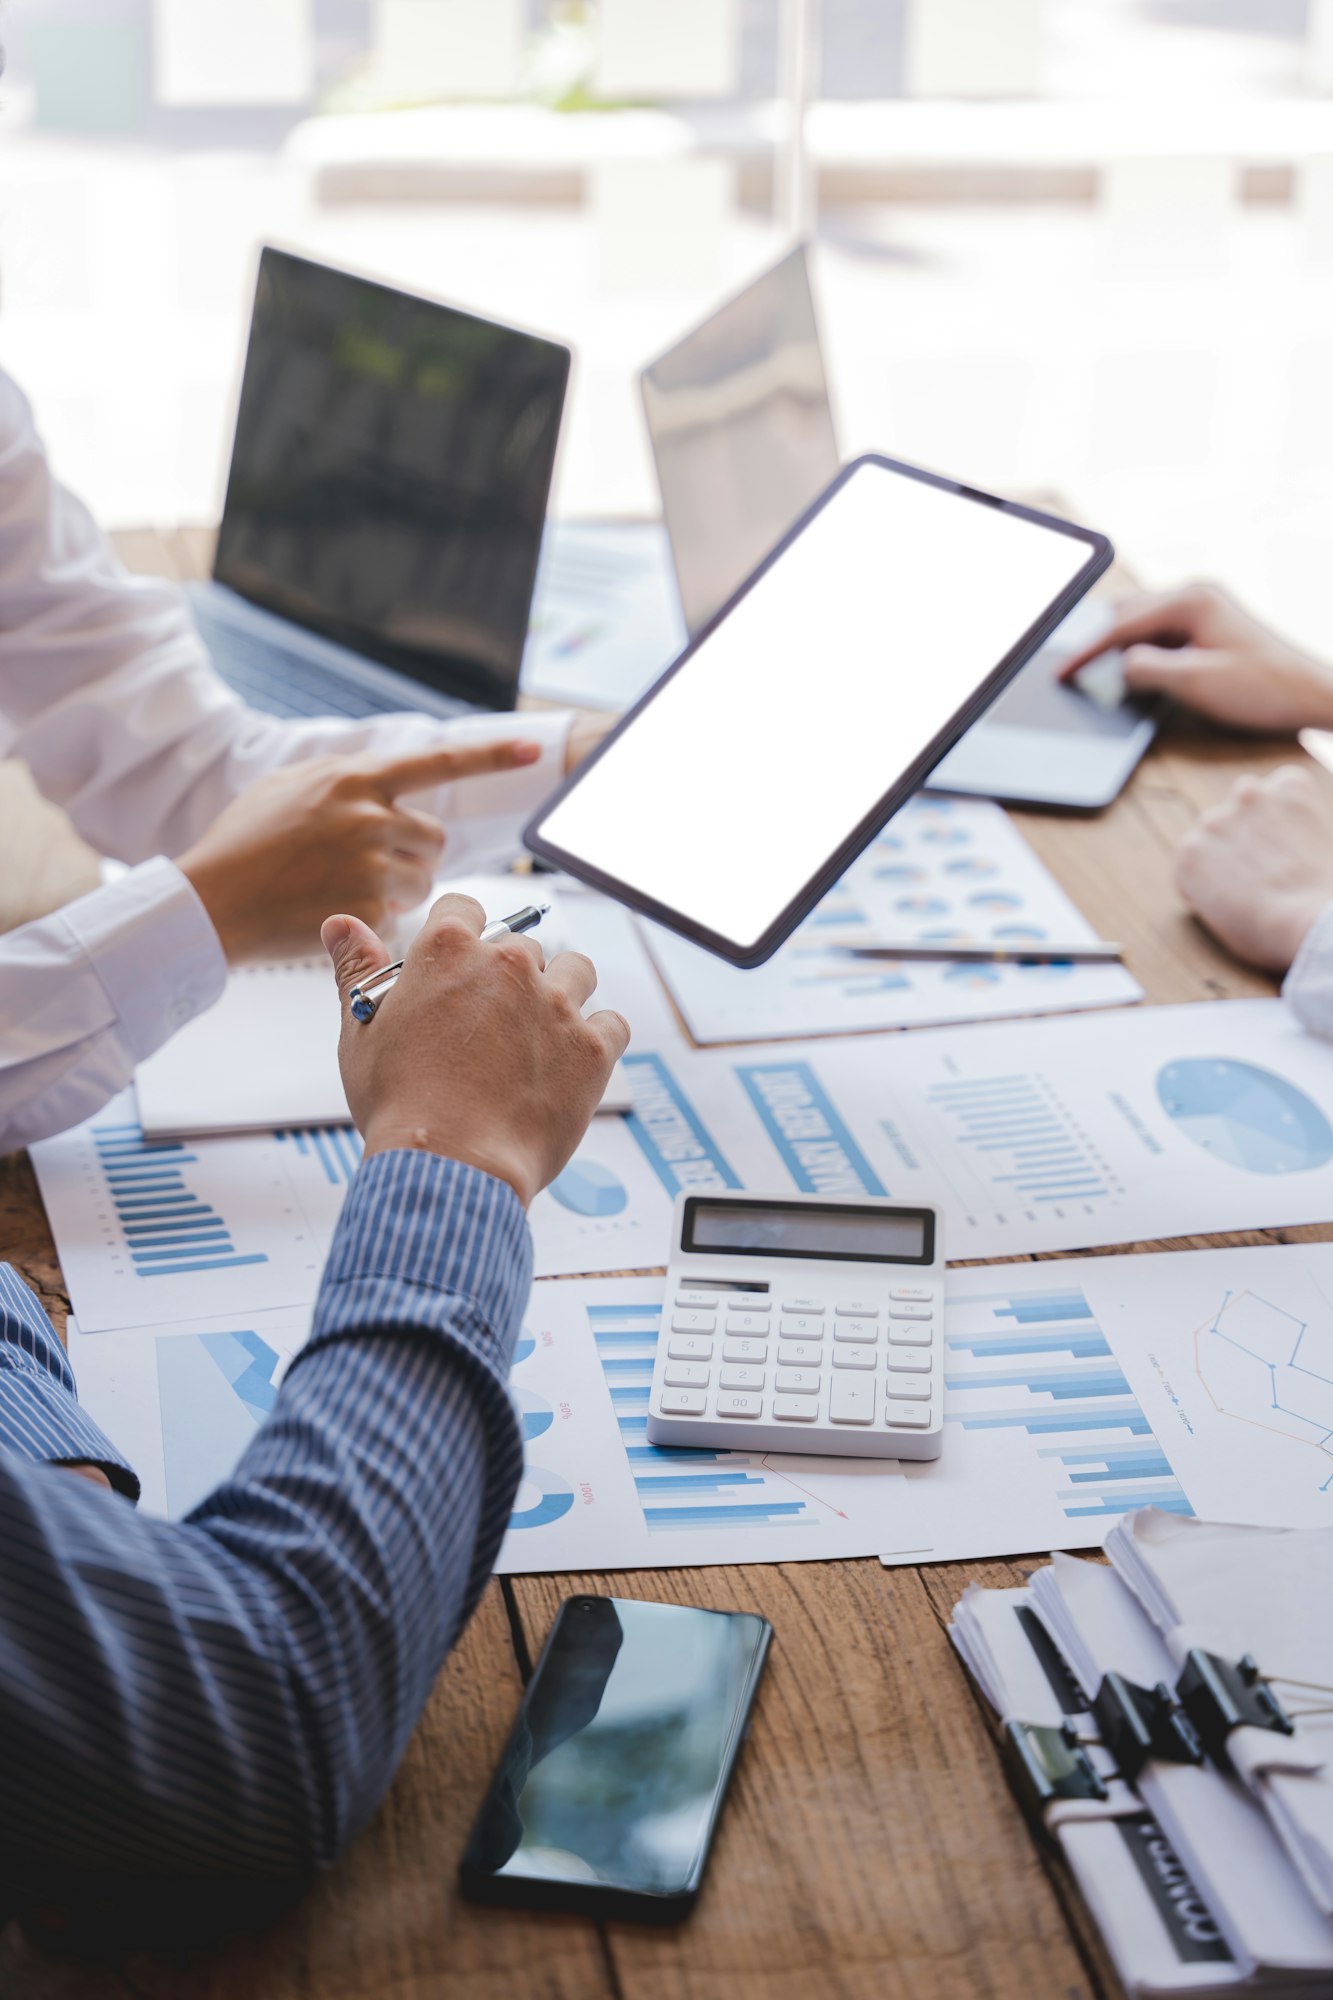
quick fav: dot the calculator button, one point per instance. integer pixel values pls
(909, 1358)
(689, 1347)
(913, 1311)
(852, 1399)
(687, 1375)
(754, 1302)
(800, 1353)
(795, 1409)
(693, 1322)
(856, 1329)
(914, 1334)
(745, 1350)
(913, 1388)
(737, 1404)
(747, 1322)
(858, 1309)
(855, 1357)
(802, 1306)
(912, 1292)
(702, 1301)
(802, 1326)
(741, 1378)
(683, 1402)
(797, 1381)
(911, 1416)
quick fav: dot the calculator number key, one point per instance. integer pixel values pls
(686, 1375)
(738, 1404)
(747, 1322)
(683, 1402)
(798, 1381)
(689, 1347)
(800, 1353)
(741, 1378)
(745, 1350)
(693, 1322)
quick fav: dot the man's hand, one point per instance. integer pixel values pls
(1202, 649)
(1258, 869)
(328, 834)
(479, 1052)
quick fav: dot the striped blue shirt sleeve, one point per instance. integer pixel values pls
(214, 1707)
(40, 1417)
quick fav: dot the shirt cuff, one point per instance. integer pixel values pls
(153, 947)
(428, 1242)
(40, 1417)
(1308, 987)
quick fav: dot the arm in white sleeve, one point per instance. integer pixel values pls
(1308, 987)
(107, 692)
(89, 992)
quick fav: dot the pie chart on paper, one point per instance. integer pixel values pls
(542, 1497)
(1246, 1116)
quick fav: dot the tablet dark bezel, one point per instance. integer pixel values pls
(1100, 556)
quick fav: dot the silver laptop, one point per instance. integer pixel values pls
(385, 503)
(743, 440)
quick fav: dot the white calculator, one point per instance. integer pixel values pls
(802, 1323)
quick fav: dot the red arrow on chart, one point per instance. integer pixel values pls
(816, 1497)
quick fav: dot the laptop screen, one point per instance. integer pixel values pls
(389, 475)
(742, 434)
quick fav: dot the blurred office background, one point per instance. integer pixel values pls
(1081, 246)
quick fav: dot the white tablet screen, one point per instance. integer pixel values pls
(760, 755)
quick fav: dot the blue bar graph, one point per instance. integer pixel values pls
(679, 1488)
(336, 1148)
(1031, 1371)
(1021, 1141)
(168, 1231)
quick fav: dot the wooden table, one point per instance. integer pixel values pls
(870, 1847)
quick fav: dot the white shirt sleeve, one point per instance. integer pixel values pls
(107, 692)
(1308, 987)
(89, 992)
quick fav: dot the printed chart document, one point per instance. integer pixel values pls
(1052, 1135)
(1078, 1390)
(955, 870)
(183, 1401)
(597, 1495)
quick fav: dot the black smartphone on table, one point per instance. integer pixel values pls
(608, 1793)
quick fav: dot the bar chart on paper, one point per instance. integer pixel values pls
(596, 1495)
(1046, 1445)
(156, 1230)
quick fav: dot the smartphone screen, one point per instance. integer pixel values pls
(614, 1774)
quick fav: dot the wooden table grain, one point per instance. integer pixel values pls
(870, 1846)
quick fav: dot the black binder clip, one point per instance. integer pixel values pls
(1050, 1763)
(1221, 1695)
(1139, 1723)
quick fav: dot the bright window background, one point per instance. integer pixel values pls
(1082, 246)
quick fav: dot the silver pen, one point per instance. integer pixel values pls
(526, 919)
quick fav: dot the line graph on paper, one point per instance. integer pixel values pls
(1263, 1365)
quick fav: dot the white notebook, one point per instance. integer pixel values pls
(266, 1056)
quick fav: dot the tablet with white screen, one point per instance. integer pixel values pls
(729, 800)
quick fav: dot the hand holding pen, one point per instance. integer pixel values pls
(363, 1007)
(485, 1055)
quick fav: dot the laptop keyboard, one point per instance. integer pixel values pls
(282, 683)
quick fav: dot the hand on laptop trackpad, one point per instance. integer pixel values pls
(1102, 681)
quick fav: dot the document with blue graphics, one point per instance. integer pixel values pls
(947, 871)
(1079, 1390)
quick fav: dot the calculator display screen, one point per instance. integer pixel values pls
(770, 1229)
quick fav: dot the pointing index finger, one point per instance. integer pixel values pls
(425, 769)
